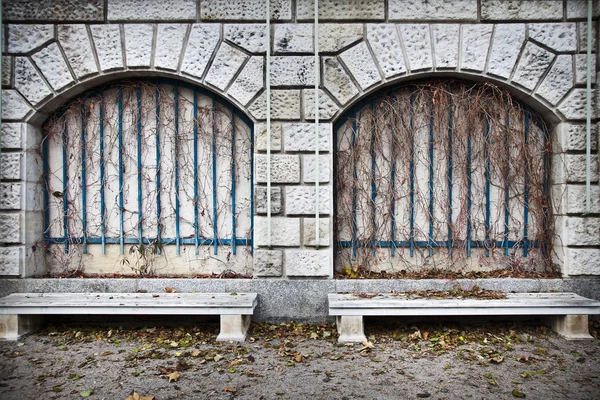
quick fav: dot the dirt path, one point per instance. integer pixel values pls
(445, 361)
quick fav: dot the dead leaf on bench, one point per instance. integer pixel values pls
(137, 396)
(169, 289)
(173, 376)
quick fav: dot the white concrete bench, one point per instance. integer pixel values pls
(22, 313)
(566, 313)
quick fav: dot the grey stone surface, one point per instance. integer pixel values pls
(332, 9)
(261, 136)
(225, 65)
(12, 134)
(475, 45)
(268, 263)
(260, 200)
(51, 63)
(250, 37)
(417, 43)
(575, 165)
(285, 168)
(337, 81)
(583, 231)
(10, 165)
(360, 63)
(574, 105)
(582, 26)
(307, 263)
(576, 199)
(309, 225)
(293, 38)
(301, 200)
(301, 136)
(400, 10)
(202, 43)
(213, 10)
(10, 228)
(285, 232)
(7, 70)
(169, 43)
(561, 37)
(578, 9)
(559, 80)
(385, 43)
(327, 107)
(584, 261)
(53, 10)
(292, 71)
(575, 138)
(285, 105)
(309, 168)
(581, 69)
(534, 62)
(76, 44)
(10, 261)
(107, 40)
(29, 82)
(151, 10)
(445, 44)
(335, 37)
(249, 82)
(10, 196)
(14, 107)
(25, 38)
(138, 44)
(521, 9)
(507, 43)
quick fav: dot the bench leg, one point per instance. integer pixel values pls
(234, 327)
(571, 327)
(350, 328)
(13, 326)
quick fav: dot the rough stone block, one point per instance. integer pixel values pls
(169, 42)
(584, 261)
(559, 80)
(202, 43)
(249, 82)
(261, 137)
(475, 45)
(417, 43)
(445, 43)
(250, 37)
(151, 10)
(583, 231)
(578, 9)
(53, 66)
(10, 261)
(107, 40)
(293, 38)
(335, 37)
(213, 10)
(561, 37)
(10, 228)
(507, 43)
(285, 232)
(75, 42)
(10, 196)
(13, 105)
(12, 133)
(575, 165)
(385, 43)
(138, 44)
(582, 26)
(574, 106)
(400, 10)
(351, 9)
(301, 200)
(575, 137)
(268, 263)
(327, 107)
(285, 104)
(359, 61)
(226, 64)
(307, 263)
(285, 168)
(576, 199)
(301, 136)
(337, 81)
(293, 71)
(309, 168)
(29, 82)
(7, 69)
(534, 62)
(521, 10)
(309, 225)
(260, 200)
(10, 165)
(581, 69)
(25, 38)
(53, 10)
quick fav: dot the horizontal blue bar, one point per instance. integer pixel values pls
(444, 243)
(167, 241)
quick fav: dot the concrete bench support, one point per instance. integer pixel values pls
(566, 313)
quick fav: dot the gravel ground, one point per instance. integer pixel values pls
(504, 360)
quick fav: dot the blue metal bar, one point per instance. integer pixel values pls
(506, 186)
(102, 183)
(233, 221)
(65, 185)
(412, 173)
(158, 223)
(120, 140)
(469, 193)
(354, 182)
(526, 190)
(431, 160)
(147, 240)
(373, 170)
(176, 144)
(47, 186)
(214, 173)
(196, 227)
(440, 244)
(487, 184)
(450, 166)
(546, 163)
(139, 161)
(393, 154)
(83, 180)
(251, 182)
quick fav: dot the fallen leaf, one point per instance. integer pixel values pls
(74, 377)
(423, 395)
(518, 393)
(218, 358)
(86, 393)
(196, 353)
(298, 358)
(106, 353)
(169, 289)
(230, 389)
(137, 396)
(173, 376)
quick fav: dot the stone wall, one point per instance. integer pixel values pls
(56, 49)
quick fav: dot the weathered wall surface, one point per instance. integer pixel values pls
(58, 48)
